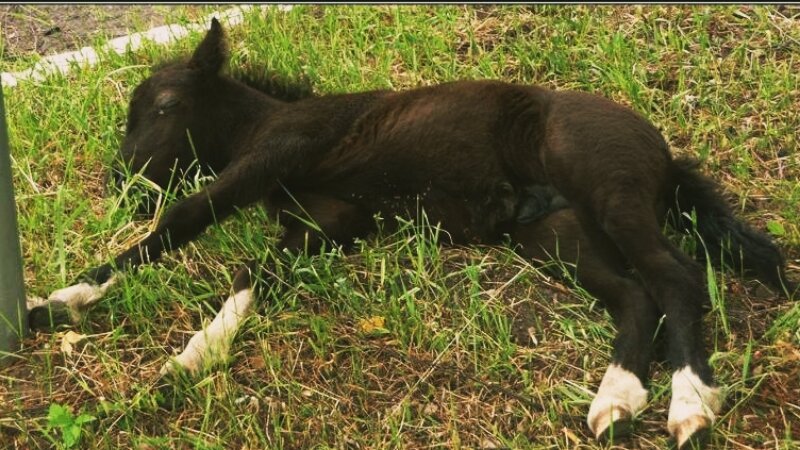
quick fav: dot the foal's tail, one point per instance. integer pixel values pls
(726, 239)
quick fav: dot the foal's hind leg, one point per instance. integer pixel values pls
(239, 185)
(675, 283)
(600, 270)
(622, 394)
(332, 219)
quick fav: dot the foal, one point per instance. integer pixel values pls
(483, 159)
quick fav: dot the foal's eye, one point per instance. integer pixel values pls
(166, 105)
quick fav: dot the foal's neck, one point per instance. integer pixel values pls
(242, 111)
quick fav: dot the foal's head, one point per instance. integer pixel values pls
(174, 123)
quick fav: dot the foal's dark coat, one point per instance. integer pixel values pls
(476, 156)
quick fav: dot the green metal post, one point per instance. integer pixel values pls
(13, 311)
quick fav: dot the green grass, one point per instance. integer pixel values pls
(478, 349)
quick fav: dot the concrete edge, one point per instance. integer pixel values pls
(88, 56)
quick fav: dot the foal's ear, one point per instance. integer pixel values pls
(212, 52)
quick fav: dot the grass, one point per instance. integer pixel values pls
(473, 347)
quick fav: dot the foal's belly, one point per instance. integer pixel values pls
(465, 217)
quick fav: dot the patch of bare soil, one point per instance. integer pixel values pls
(51, 29)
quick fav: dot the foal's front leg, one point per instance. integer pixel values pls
(211, 344)
(65, 306)
(334, 220)
(237, 186)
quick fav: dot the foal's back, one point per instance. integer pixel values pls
(448, 133)
(461, 151)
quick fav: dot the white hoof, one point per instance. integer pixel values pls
(693, 408)
(620, 397)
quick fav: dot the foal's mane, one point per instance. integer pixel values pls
(275, 84)
(272, 83)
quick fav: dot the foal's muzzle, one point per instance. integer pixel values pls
(145, 200)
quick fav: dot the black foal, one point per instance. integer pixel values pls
(471, 155)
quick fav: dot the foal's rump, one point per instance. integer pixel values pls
(547, 228)
(597, 152)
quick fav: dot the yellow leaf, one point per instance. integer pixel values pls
(571, 436)
(70, 338)
(372, 324)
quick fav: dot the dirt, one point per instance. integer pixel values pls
(28, 30)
